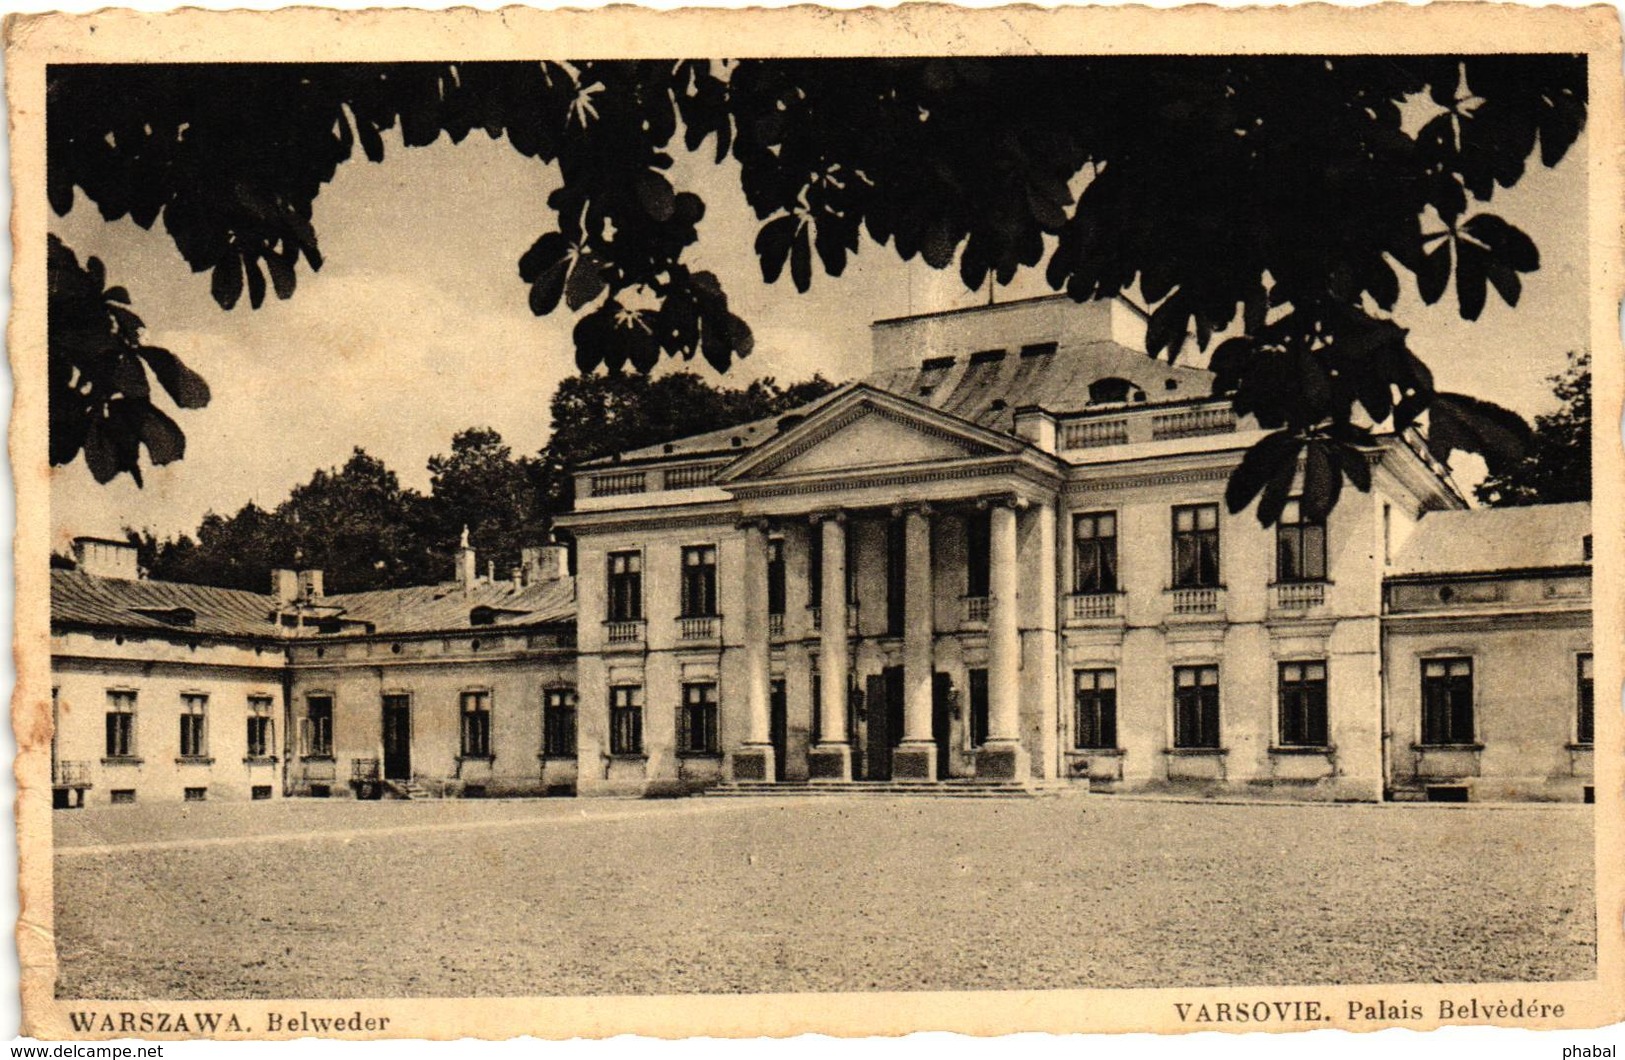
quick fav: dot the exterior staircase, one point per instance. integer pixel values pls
(406, 789)
(961, 788)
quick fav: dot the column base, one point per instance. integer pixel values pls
(829, 764)
(1003, 760)
(914, 760)
(753, 761)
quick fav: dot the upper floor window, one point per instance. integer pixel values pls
(775, 576)
(259, 727)
(1303, 704)
(625, 586)
(978, 707)
(318, 727)
(1196, 706)
(194, 726)
(1095, 702)
(1094, 552)
(626, 720)
(699, 581)
(1196, 546)
(1300, 546)
(697, 721)
(1585, 700)
(559, 723)
(476, 711)
(120, 724)
(978, 553)
(896, 575)
(1447, 701)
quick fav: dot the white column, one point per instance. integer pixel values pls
(757, 728)
(917, 632)
(831, 759)
(1002, 757)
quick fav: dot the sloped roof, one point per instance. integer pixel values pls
(750, 435)
(1481, 540)
(84, 599)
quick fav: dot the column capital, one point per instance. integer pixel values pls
(1003, 500)
(917, 507)
(837, 515)
(760, 522)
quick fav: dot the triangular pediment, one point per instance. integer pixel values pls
(868, 428)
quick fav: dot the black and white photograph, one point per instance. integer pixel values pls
(927, 523)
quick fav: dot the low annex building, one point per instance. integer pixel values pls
(1003, 557)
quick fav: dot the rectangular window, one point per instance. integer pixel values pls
(260, 792)
(1447, 701)
(851, 564)
(1585, 699)
(896, 576)
(260, 740)
(1196, 706)
(1094, 552)
(815, 568)
(699, 581)
(1300, 546)
(1303, 704)
(121, 796)
(194, 726)
(775, 576)
(625, 586)
(1196, 546)
(559, 723)
(196, 794)
(816, 733)
(697, 721)
(626, 720)
(1095, 701)
(476, 711)
(318, 735)
(978, 707)
(120, 724)
(978, 553)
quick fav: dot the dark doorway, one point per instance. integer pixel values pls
(942, 720)
(778, 727)
(398, 737)
(884, 709)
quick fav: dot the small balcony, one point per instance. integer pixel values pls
(775, 625)
(974, 610)
(817, 614)
(1208, 600)
(624, 633)
(365, 770)
(698, 627)
(71, 775)
(1092, 607)
(1297, 597)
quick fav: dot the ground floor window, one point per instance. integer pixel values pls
(1196, 707)
(196, 794)
(194, 726)
(317, 735)
(977, 679)
(120, 796)
(476, 711)
(1303, 704)
(120, 724)
(1095, 705)
(559, 723)
(697, 720)
(626, 720)
(260, 792)
(1585, 697)
(259, 727)
(1447, 701)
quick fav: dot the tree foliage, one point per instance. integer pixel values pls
(1283, 201)
(1557, 467)
(365, 531)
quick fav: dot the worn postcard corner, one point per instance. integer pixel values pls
(528, 521)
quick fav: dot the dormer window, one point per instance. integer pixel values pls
(1039, 349)
(987, 357)
(482, 616)
(1585, 548)
(175, 616)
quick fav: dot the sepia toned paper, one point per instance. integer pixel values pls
(357, 995)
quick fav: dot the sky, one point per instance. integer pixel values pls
(418, 326)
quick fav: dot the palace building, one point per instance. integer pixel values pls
(1002, 560)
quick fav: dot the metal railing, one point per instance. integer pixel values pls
(976, 610)
(1299, 596)
(1082, 607)
(71, 775)
(1191, 423)
(775, 625)
(1089, 434)
(365, 769)
(1196, 601)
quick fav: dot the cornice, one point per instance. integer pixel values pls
(1138, 479)
(649, 518)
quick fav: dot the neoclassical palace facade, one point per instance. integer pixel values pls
(1003, 559)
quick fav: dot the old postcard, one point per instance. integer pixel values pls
(758, 522)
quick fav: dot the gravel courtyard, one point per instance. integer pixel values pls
(304, 899)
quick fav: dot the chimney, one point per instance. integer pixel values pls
(310, 584)
(465, 563)
(491, 571)
(105, 558)
(284, 586)
(1033, 424)
(546, 563)
(518, 578)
